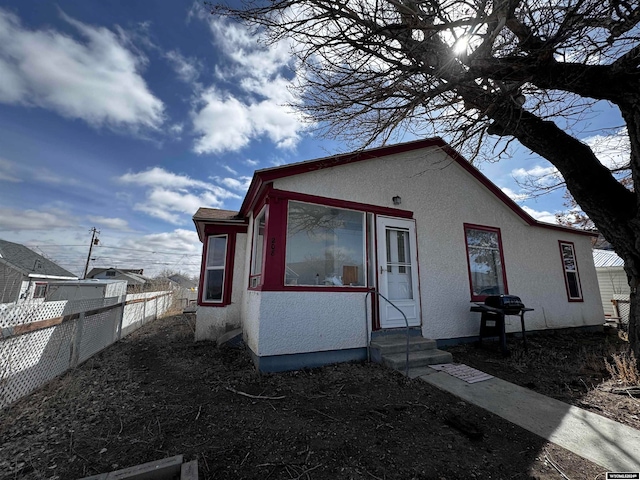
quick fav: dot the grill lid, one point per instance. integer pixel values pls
(507, 302)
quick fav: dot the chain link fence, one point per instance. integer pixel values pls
(621, 309)
(39, 341)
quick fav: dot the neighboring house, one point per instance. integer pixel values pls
(614, 287)
(416, 222)
(136, 282)
(24, 274)
(183, 282)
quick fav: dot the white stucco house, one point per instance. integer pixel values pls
(295, 267)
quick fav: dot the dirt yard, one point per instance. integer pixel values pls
(157, 394)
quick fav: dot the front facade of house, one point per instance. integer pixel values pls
(414, 223)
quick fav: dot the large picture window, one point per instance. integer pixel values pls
(485, 260)
(325, 246)
(215, 269)
(571, 276)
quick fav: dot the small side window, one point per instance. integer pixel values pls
(257, 254)
(571, 275)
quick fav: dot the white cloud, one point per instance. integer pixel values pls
(229, 169)
(187, 69)
(95, 78)
(516, 197)
(537, 171)
(178, 240)
(240, 184)
(221, 123)
(13, 219)
(113, 223)
(173, 197)
(611, 150)
(251, 163)
(225, 121)
(176, 128)
(44, 175)
(543, 216)
(159, 177)
(8, 171)
(177, 250)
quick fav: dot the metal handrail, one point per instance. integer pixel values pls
(406, 322)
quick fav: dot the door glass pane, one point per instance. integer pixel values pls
(399, 279)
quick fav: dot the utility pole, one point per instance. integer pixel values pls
(94, 241)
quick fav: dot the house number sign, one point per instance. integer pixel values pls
(273, 246)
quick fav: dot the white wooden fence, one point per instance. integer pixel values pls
(40, 341)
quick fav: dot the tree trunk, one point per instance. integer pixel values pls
(634, 315)
(613, 208)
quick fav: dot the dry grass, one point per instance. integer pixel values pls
(624, 369)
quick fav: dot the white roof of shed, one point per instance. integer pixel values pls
(606, 258)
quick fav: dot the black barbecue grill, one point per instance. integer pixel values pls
(493, 311)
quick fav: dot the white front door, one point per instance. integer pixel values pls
(397, 272)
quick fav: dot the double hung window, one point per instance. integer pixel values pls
(215, 269)
(485, 261)
(571, 276)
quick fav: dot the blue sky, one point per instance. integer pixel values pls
(129, 115)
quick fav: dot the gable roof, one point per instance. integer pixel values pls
(264, 176)
(218, 216)
(30, 263)
(130, 274)
(606, 258)
(99, 270)
(182, 281)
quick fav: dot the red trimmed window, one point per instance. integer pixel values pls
(325, 246)
(570, 267)
(485, 261)
(215, 269)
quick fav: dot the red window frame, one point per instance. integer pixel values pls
(496, 230)
(273, 268)
(217, 231)
(255, 279)
(565, 272)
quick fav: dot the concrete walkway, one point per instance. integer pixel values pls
(610, 444)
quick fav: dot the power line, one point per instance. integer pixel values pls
(150, 251)
(124, 248)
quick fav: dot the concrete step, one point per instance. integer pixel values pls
(398, 343)
(419, 358)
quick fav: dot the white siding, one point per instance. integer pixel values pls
(612, 281)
